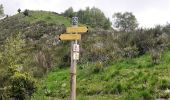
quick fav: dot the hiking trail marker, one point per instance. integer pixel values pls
(72, 34)
(77, 29)
(70, 37)
(76, 48)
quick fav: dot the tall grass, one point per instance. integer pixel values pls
(130, 79)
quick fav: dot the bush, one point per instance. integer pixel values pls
(98, 66)
(26, 12)
(145, 95)
(155, 56)
(92, 68)
(14, 82)
(139, 95)
(19, 10)
(22, 86)
(93, 17)
(128, 52)
(114, 88)
(164, 84)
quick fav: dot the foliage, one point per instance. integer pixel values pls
(22, 86)
(13, 48)
(15, 83)
(39, 31)
(69, 12)
(155, 56)
(98, 45)
(1, 9)
(112, 63)
(26, 12)
(125, 21)
(46, 17)
(128, 52)
(19, 10)
(93, 17)
(132, 78)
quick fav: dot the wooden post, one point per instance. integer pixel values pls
(74, 51)
(73, 65)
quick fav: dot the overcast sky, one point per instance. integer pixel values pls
(148, 12)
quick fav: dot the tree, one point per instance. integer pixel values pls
(69, 12)
(19, 10)
(94, 17)
(1, 9)
(125, 21)
(107, 24)
(26, 12)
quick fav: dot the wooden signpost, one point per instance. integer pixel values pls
(77, 29)
(69, 37)
(73, 36)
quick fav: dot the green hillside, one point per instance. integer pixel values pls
(130, 79)
(38, 22)
(39, 30)
(48, 17)
(113, 65)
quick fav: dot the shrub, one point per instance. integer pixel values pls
(163, 96)
(155, 56)
(139, 95)
(145, 95)
(19, 10)
(26, 12)
(98, 66)
(164, 84)
(93, 67)
(114, 88)
(22, 86)
(128, 52)
(117, 88)
(15, 83)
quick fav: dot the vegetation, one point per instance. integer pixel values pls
(93, 17)
(129, 63)
(26, 12)
(1, 9)
(69, 12)
(19, 10)
(125, 21)
(133, 79)
(14, 82)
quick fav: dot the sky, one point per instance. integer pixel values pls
(148, 12)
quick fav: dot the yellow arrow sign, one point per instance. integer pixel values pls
(77, 29)
(70, 37)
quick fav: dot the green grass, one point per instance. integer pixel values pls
(48, 17)
(129, 79)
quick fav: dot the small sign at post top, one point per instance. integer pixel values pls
(76, 48)
(74, 20)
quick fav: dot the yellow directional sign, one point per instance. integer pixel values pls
(77, 29)
(70, 37)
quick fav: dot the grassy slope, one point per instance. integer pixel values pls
(127, 79)
(47, 17)
(130, 79)
(36, 20)
(39, 29)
